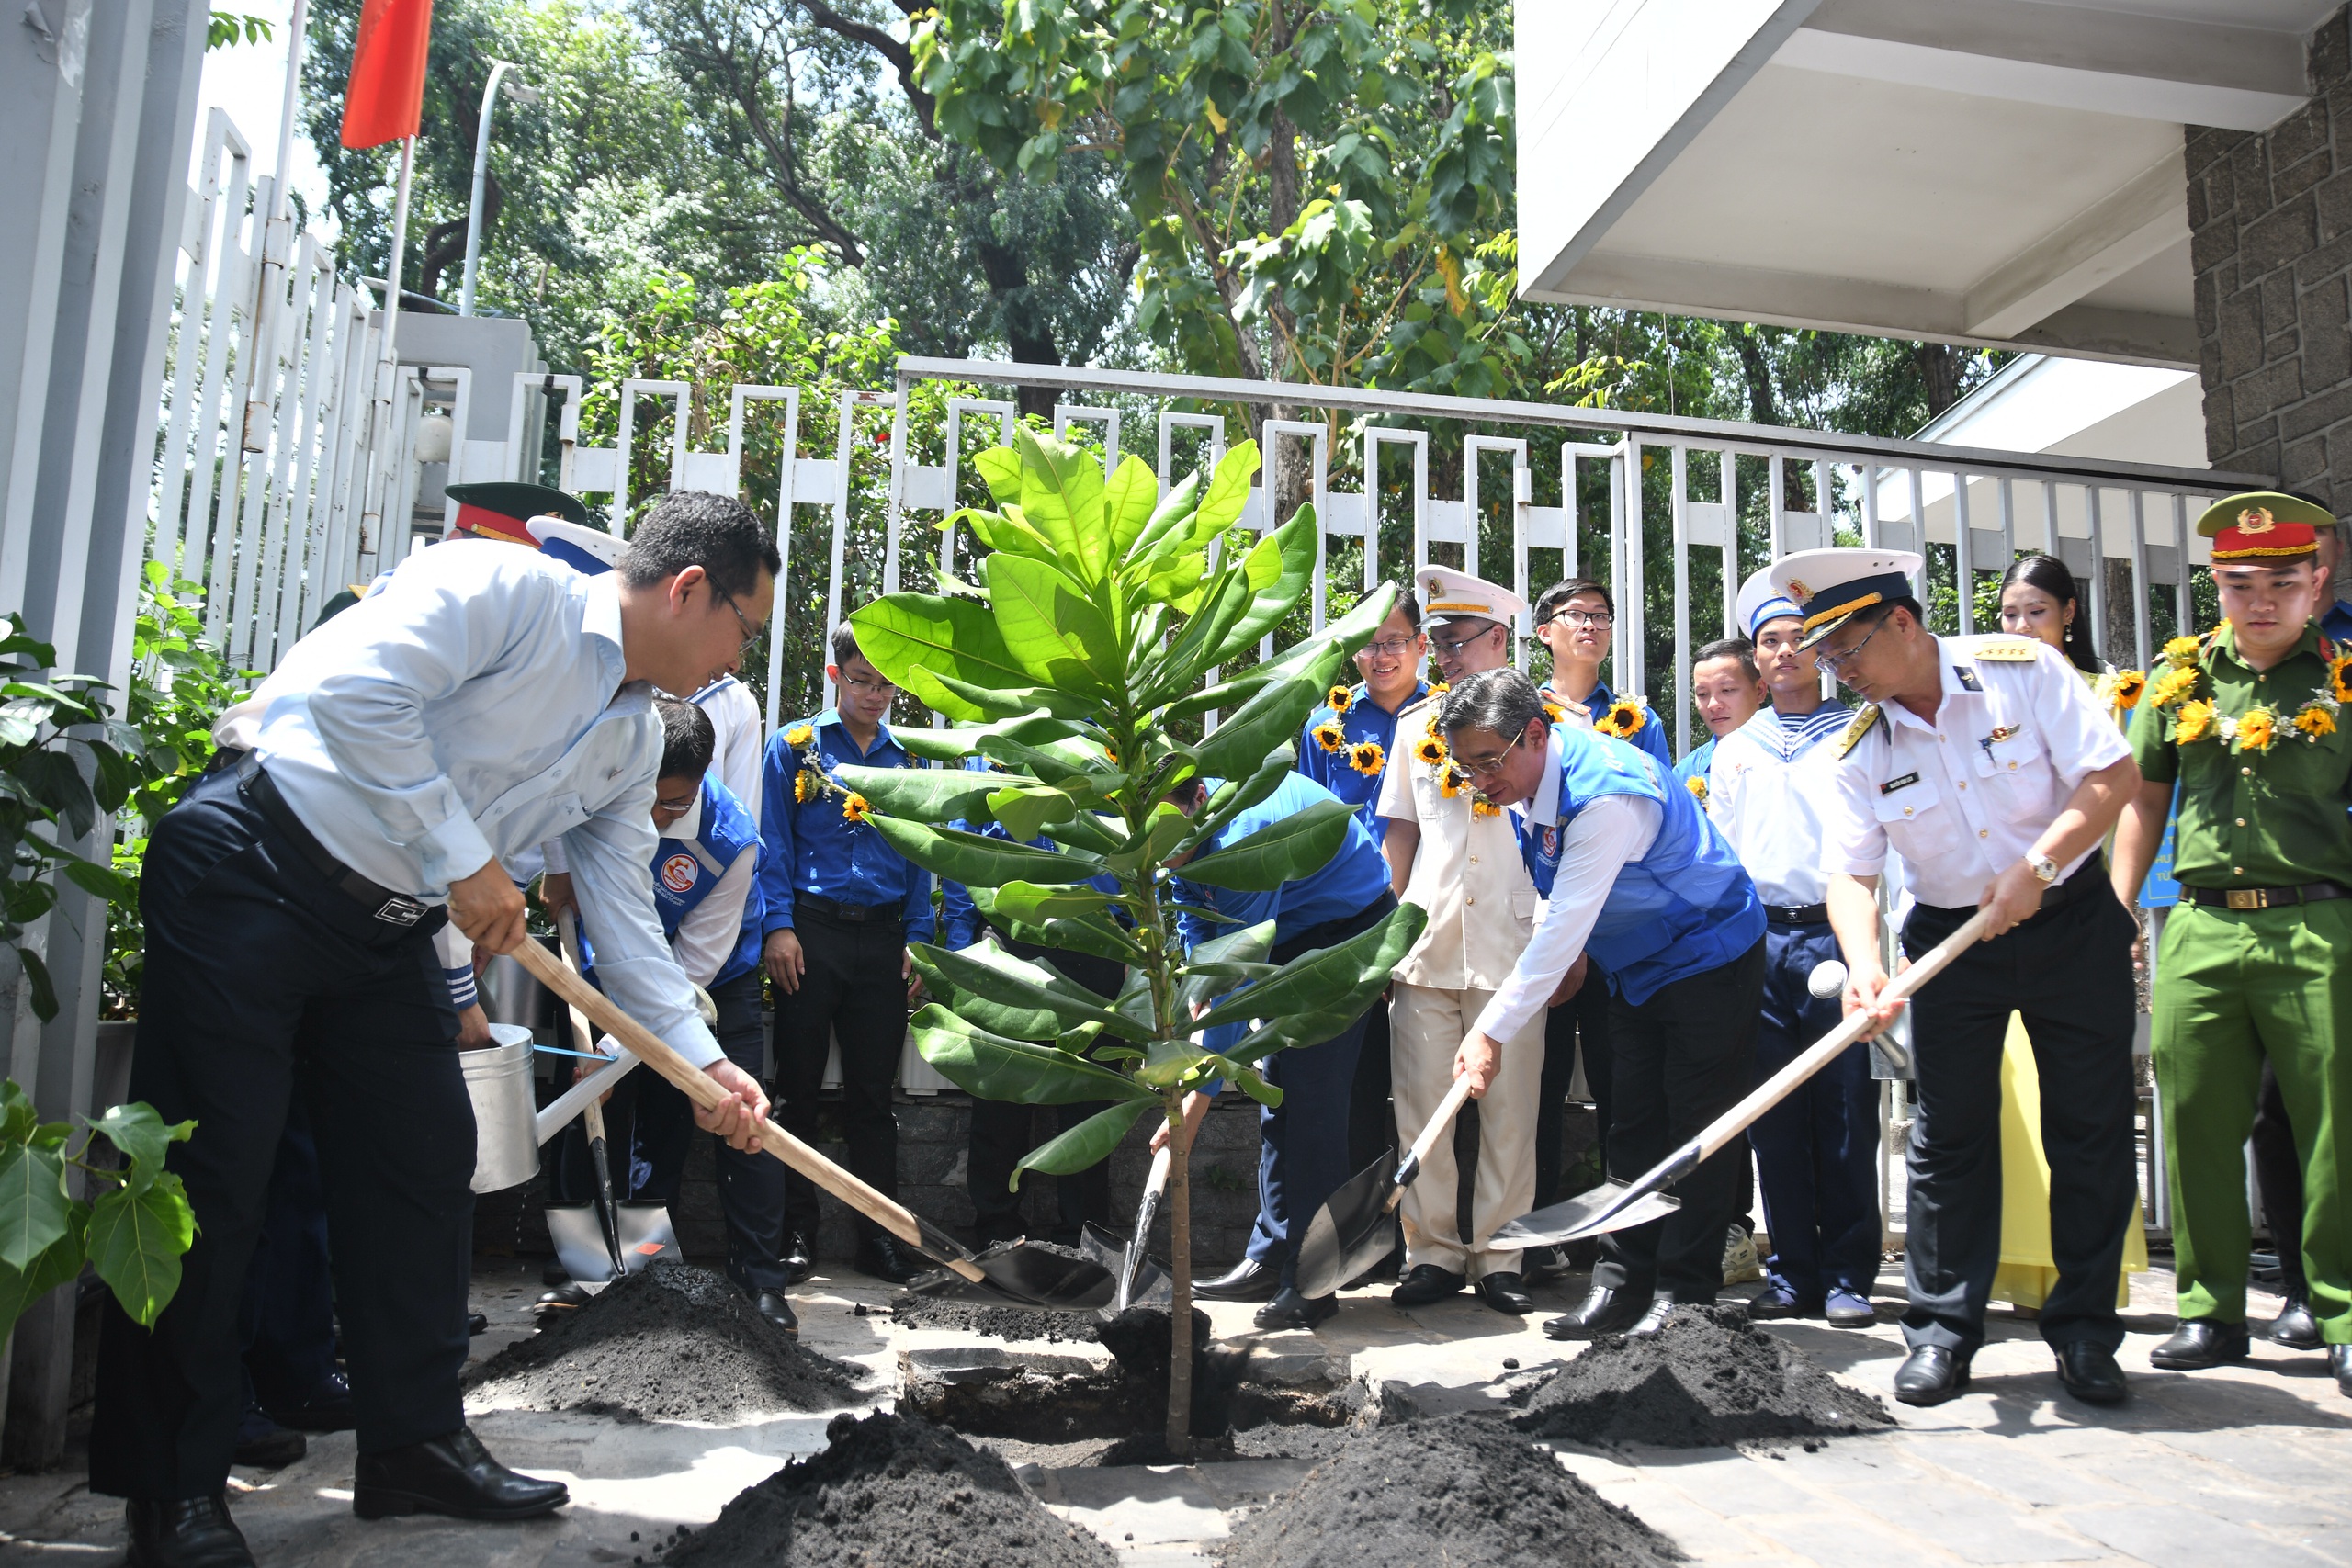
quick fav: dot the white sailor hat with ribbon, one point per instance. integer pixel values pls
(1448, 594)
(1827, 586)
(588, 550)
(1760, 603)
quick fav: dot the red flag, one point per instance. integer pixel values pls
(385, 100)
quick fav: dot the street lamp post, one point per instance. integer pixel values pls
(521, 95)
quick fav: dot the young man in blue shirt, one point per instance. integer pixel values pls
(840, 907)
(1728, 691)
(1303, 1153)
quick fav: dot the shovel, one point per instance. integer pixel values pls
(1351, 1232)
(1136, 1277)
(1615, 1206)
(888, 1213)
(598, 1243)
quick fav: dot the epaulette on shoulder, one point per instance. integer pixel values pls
(1863, 723)
(2006, 650)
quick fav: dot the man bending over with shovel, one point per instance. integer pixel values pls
(1633, 873)
(479, 704)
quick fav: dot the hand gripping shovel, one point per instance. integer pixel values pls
(599, 1242)
(642, 1043)
(1351, 1232)
(1613, 1206)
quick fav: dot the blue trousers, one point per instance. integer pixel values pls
(1303, 1148)
(1817, 1151)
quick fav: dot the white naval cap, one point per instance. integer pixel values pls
(1760, 603)
(1827, 586)
(1447, 594)
(588, 550)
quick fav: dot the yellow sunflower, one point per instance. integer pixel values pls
(1340, 699)
(1481, 806)
(800, 735)
(2339, 677)
(1366, 758)
(1439, 688)
(1331, 737)
(1698, 787)
(2256, 728)
(1431, 750)
(1451, 783)
(2316, 721)
(854, 806)
(1623, 719)
(2182, 649)
(2129, 684)
(804, 787)
(2196, 722)
(1554, 713)
(2174, 684)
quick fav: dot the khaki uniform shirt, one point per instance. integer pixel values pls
(1468, 873)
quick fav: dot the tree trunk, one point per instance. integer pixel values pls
(1180, 1310)
(1941, 365)
(1027, 332)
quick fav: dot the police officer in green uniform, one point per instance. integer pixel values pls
(2249, 720)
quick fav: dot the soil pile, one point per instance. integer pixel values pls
(671, 1343)
(1709, 1377)
(890, 1490)
(1462, 1489)
(922, 1310)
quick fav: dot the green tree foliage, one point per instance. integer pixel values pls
(1070, 664)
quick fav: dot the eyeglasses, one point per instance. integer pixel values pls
(1835, 662)
(865, 688)
(751, 632)
(1583, 618)
(1389, 647)
(1488, 767)
(674, 807)
(1450, 646)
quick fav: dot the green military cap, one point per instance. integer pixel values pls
(2262, 525)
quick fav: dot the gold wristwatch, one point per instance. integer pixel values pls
(2045, 869)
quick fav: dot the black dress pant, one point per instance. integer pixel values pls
(1581, 1022)
(2279, 1175)
(1682, 1058)
(2068, 971)
(751, 1185)
(287, 1324)
(1002, 1132)
(852, 990)
(264, 982)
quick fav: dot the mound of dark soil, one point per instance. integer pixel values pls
(921, 1310)
(1709, 1377)
(671, 1343)
(895, 1491)
(1461, 1489)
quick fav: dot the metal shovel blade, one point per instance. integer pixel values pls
(580, 1243)
(1136, 1279)
(1606, 1208)
(1352, 1230)
(1031, 1276)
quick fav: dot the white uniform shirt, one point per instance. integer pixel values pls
(1964, 798)
(735, 722)
(1771, 790)
(1466, 873)
(472, 707)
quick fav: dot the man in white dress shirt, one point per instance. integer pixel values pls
(477, 703)
(1984, 763)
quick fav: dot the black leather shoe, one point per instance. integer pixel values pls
(2200, 1343)
(1603, 1311)
(2294, 1327)
(552, 1305)
(1424, 1283)
(190, 1532)
(264, 1445)
(799, 1257)
(2089, 1372)
(1290, 1310)
(1653, 1320)
(1542, 1265)
(326, 1408)
(883, 1257)
(1930, 1374)
(1775, 1302)
(477, 1325)
(453, 1476)
(1503, 1291)
(771, 1305)
(1249, 1281)
(2339, 1362)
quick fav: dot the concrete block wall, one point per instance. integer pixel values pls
(2270, 225)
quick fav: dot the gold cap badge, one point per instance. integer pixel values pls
(2256, 520)
(1798, 591)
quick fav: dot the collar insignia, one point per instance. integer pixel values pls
(1968, 681)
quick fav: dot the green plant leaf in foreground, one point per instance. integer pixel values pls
(61, 1261)
(1334, 982)
(995, 1067)
(988, 970)
(32, 1204)
(1280, 851)
(977, 859)
(1082, 1145)
(136, 1242)
(926, 794)
(140, 1132)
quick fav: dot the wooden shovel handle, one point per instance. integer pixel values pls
(1410, 1167)
(698, 1086)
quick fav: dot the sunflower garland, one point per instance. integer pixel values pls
(2119, 690)
(2196, 722)
(1697, 785)
(2316, 721)
(2339, 677)
(1340, 699)
(2256, 729)
(1625, 718)
(2175, 683)
(1431, 750)
(1555, 713)
(1331, 737)
(1481, 806)
(854, 808)
(805, 786)
(1452, 781)
(1366, 758)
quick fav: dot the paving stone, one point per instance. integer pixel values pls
(2300, 1458)
(2164, 1473)
(2166, 1535)
(2013, 1468)
(1968, 1524)
(1726, 1482)
(1843, 1542)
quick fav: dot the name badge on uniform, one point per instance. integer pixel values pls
(1905, 781)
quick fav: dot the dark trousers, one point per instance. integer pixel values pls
(1002, 1132)
(1682, 1058)
(852, 990)
(2279, 1175)
(751, 1185)
(1817, 1150)
(262, 982)
(1580, 1023)
(287, 1324)
(2068, 971)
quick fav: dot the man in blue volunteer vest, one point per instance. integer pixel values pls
(1303, 1152)
(840, 907)
(1633, 874)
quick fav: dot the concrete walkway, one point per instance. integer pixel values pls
(2222, 1470)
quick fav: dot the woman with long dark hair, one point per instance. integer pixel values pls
(2040, 600)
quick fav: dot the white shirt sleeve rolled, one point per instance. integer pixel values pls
(1607, 835)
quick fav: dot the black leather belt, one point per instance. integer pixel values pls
(2087, 878)
(1797, 914)
(855, 914)
(393, 909)
(2264, 898)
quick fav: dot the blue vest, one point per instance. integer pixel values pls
(685, 870)
(1684, 908)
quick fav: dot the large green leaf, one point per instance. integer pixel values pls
(1058, 635)
(63, 1260)
(1227, 493)
(995, 1067)
(913, 637)
(1232, 799)
(999, 468)
(1249, 945)
(977, 860)
(1162, 832)
(1069, 933)
(1274, 715)
(33, 1202)
(1182, 501)
(1333, 983)
(938, 745)
(1024, 811)
(931, 795)
(1283, 850)
(1061, 497)
(1033, 904)
(1087, 1143)
(136, 1242)
(988, 970)
(1229, 596)
(1086, 832)
(1282, 569)
(1348, 633)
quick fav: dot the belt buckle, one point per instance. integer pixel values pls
(400, 910)
(2247, 898)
